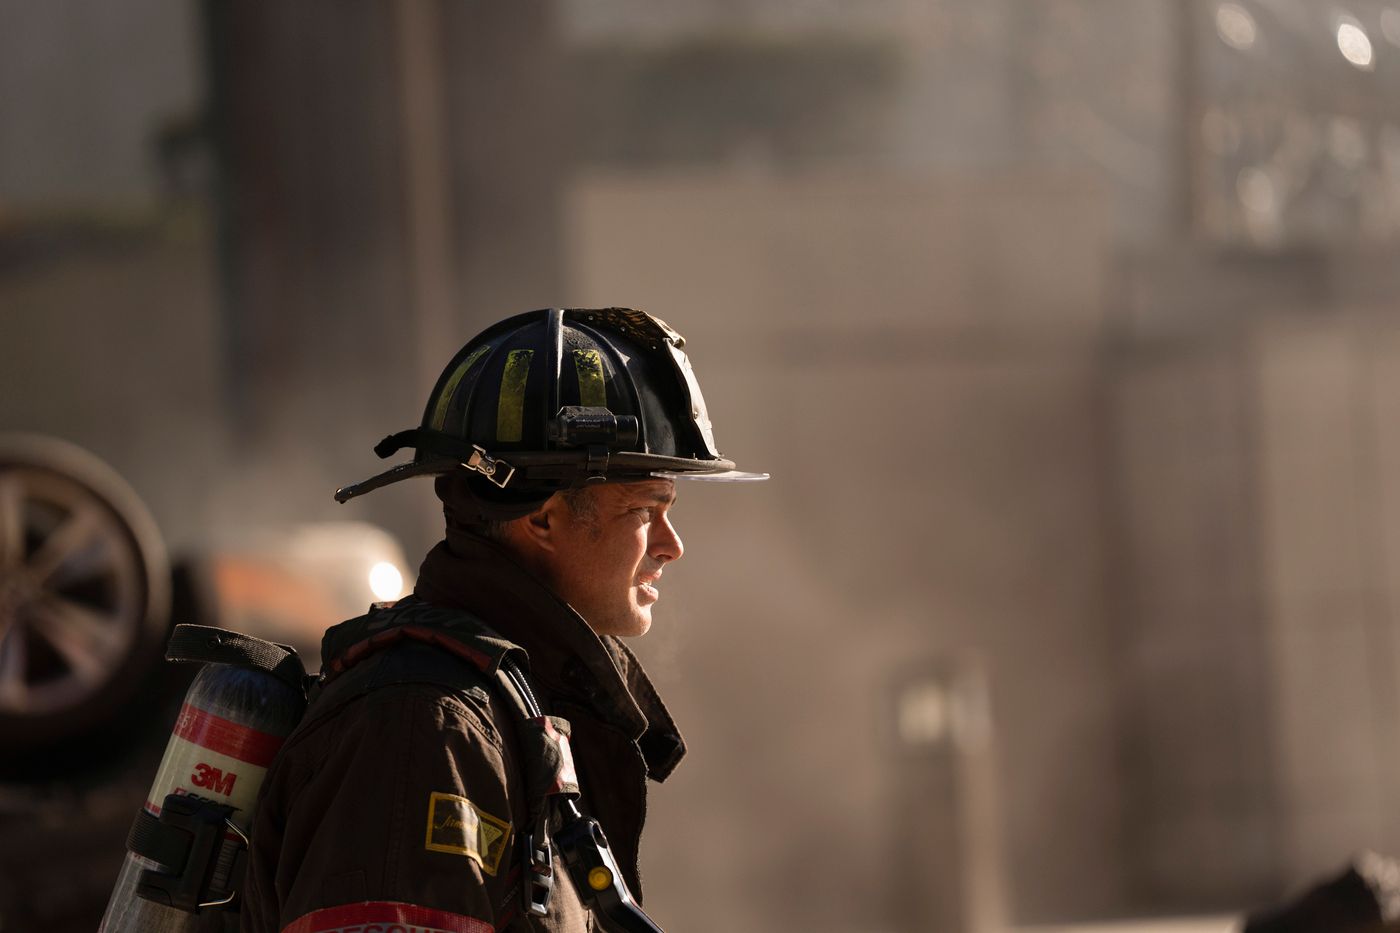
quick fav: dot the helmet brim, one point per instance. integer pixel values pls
(726, 476)
(565, 468)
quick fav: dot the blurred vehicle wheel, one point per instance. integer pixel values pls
(84, 592)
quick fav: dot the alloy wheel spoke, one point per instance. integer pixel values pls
(11, 521)
(14, 690)
(85, 639)
(75, 548)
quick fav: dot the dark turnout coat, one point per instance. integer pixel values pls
(398, 804)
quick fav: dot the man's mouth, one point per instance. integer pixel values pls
(647, 588)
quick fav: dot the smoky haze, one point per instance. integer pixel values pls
(1065, 329)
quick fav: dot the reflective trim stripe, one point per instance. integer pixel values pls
(445, 397)
(510, 410)
(386, 917)
(592, 389)
(226, 736)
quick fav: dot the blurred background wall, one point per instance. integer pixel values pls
(1066, 328)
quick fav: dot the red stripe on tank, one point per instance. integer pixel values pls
(226, 736)
(389, 915)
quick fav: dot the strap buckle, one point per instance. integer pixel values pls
(539, 868)
(488, 466)
(200, 854)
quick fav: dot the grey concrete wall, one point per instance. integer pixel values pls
(1255, 561)
(1203, 822)
(87, 89)
(1329, 441)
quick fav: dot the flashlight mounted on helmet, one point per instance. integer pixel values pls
(576, 426)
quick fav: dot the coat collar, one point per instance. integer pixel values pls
(566, 657)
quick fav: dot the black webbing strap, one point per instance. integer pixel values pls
(425, 439)
(149, 838)
(212, 645)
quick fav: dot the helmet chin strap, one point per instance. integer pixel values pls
(468, 501)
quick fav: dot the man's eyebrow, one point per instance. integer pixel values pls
(667, 497)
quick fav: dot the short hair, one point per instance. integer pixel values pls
(582, 505)
(579, 499)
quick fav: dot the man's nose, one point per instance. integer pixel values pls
(665, 544)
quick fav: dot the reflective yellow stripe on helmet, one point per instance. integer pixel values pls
(510, 410)
(592, 389)
(445, 396)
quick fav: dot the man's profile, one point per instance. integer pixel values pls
(461, 741)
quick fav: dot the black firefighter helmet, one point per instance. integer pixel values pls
(552, 399)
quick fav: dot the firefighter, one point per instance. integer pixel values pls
(414, 795)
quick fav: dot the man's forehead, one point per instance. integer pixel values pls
(654, 490)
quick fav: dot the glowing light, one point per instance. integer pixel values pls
(1257, 192)
(1354, 44)
(385, 581)
(1262, 197)
(1235, 26)
(923, 714)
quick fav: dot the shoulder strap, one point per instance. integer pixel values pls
(546, 758)
(455, 631)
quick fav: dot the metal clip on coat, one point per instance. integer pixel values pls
(579, 838)
(539, 881)
(596, 876)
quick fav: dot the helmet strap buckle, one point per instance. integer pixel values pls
(498, 472)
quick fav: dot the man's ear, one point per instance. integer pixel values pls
(539, 526)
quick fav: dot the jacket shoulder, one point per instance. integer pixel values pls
(412, 646)
(368, 800)
(455, 631)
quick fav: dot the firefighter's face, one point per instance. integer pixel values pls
(605, 550)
